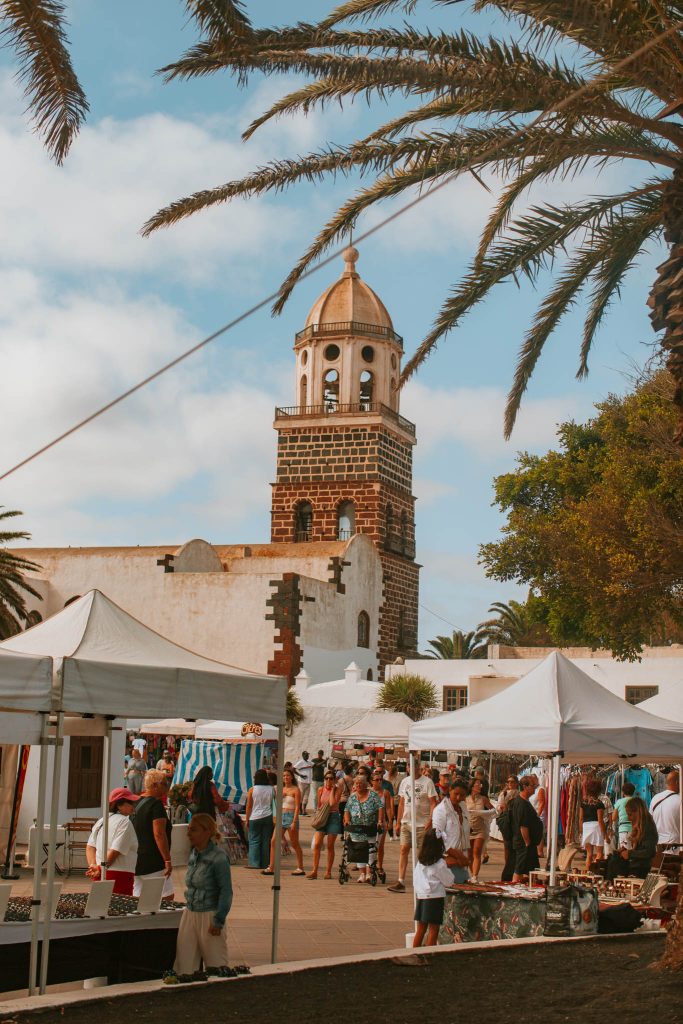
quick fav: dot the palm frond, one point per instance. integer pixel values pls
(220, 20)
(36, 30)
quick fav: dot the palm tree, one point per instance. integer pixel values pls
(411, 694)
(55, 97)
(13, 613)
(516, 625)
(516, 111)
(294, 712)
(459, 645)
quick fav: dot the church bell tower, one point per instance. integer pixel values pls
(345, 454)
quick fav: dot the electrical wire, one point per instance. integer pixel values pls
(437, 616)
(492, 151)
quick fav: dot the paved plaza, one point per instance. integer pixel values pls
(317, 918)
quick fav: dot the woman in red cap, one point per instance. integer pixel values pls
(122, 843)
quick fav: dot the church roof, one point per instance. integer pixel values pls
(349, 300)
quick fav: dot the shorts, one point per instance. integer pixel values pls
(287, 818)
(592, 834)
(406, 834)
(460, 875)
(430, 911)
(334, 825)
(526, 859)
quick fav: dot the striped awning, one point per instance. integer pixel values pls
(233, 765)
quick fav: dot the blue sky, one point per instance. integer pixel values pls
(87, 307)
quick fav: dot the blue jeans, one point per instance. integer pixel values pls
(260, 834)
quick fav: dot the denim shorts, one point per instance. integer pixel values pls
(287, 818)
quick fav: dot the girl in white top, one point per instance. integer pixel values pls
(122, 843)
(430, 878)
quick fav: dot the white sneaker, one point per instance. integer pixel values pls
(474, 880)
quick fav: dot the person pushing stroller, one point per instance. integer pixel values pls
(363, 819)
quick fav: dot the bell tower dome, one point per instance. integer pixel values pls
(348, 353)
(344, 459)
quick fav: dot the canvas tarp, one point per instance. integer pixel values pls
(667, 705)
(233, 731)
(233, 765)
(377, 727)
(113, 664)
(555, 707)
(25, 680)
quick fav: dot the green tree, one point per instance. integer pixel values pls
(459, 645)
(294, 712)
(517, 623)
(412, 694)
(596, 527)
(575, 84)
(13, 613)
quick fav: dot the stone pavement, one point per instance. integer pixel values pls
(318, 918)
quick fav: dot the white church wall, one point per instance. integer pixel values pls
(29, 803)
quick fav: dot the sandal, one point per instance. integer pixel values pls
(267, 871)
(299, 871)
(312, 875)
(327, 877)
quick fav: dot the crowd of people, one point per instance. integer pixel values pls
(448, 813)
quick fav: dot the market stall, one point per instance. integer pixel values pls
(94, 659)
(558, 711)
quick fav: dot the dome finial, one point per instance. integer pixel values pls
(350, 255)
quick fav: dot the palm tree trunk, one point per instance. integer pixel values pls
(666, 297)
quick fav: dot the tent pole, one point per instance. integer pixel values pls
(277, 865)
(106, 785)
(413, 818)
(49, 882)
(555, 814)
(37, 855)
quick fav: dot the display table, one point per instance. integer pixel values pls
(61, 843)
(126, 947)
(475, 913)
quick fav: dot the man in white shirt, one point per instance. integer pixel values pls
(452, 826)
(665, 808)
(426, 800)
(304, 768)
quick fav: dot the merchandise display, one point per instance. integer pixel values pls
(72, 905)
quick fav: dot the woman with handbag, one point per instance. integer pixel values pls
(327, 822)
(364, 818)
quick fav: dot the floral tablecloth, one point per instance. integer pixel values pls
(474, 914)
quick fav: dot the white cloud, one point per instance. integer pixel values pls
(62, 358)
(473, 417)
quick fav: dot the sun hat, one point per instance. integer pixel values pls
(122, 794)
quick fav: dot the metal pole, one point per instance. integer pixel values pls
(555, 816)
(38, 856)
(51, 851)
(680, 809)
(278, 843)
(106, 785)
(413, 818)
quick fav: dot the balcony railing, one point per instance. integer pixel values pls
(349, 327)
(341, 409)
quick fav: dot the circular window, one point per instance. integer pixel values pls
(394, 361)
(304, 357)
(332, 352)
(368, 353)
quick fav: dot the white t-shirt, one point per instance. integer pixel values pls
(305, 770)
(121, 837)
(425, 791)
(665, 808)
(261, 803)
(429, 882)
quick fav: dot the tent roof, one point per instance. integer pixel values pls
(233, 731)
(168, 727)
(555, 707)
(667, 705)
(115, 665)
(26, 680)
(377, 727)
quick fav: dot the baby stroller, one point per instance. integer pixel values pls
(362, 851)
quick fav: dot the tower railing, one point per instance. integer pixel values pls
(349, 327)
(345, 408)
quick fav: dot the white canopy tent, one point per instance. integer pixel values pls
(238, 732)
(382, 727)
(560, 711)
(167, 727)
(667, 705)
(93, 658)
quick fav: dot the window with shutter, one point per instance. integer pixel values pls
(85, 772)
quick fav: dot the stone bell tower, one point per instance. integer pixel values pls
(345, 454)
